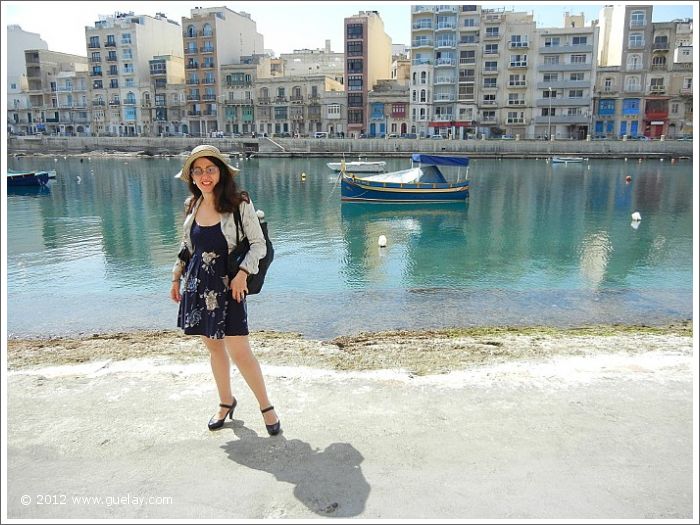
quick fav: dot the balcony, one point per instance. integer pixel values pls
(96, 73)
(445, 62)
(516, 102)
(660, 46)
(192, 66)
(490, 86)
(110, 43)
(657, 90)
(467, 61)
(130, 102)
(515, 121)
(208, 97)
(97, 60)
(93, 45)
(426, 25)
(98, 103)
(422, 42)
(563, 101)
(280, 99)
(518, 45)
(444, 97)
(422, 9)
(637, 24)
(192, 82)
(449, 117)
(206, 49)
(446, 9)
(492, 36)
(517, 85)
(444, 80)
(445, 43)
(516, 65)
(445, 26)
(467, 78)
(193, 97)
(422, 62)
(467, 41)
(264, 100)
(208, 65)
(190, 50)
(581, 48)
(209, 113)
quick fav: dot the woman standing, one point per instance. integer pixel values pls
(212, 302)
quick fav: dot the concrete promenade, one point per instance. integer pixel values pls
(370, 148)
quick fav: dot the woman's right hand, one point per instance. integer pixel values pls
(175, 291)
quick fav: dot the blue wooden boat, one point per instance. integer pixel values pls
(29, 178)
(422, 182)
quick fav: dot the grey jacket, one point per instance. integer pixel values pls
(251, 230)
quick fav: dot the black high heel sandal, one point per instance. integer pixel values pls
(275, 428)
(215, 424)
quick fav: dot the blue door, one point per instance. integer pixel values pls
(634, 129)
(610, 126)
(599, 127)
(372, 130)
(623, 127)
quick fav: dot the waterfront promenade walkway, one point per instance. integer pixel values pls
(601, 435)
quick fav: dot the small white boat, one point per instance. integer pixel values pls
(359, 166)
(567, 160)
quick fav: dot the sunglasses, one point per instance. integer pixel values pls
(198, 172)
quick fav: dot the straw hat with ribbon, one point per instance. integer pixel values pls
(205, 150)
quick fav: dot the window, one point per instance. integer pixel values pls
(688, 83)
(549, 112)
(517, 41)
(515, 117)
(514, 99)
(490, 66)
(94, 42)
(95, 56)
(658, 62)
(606, 106)
(423, 77)
(608, 84)
(207, 30)
(492, 31)
(126, 38)
(489, 83)
(354, 49)
(657, 84)
(638, 19)
(488, 116)
(550, 77)
(191, 31)
(280, 92)
(576, 77)
(467, 57)
(578, 59)
(470, 22)
(354, 83)
(576, 93)
(632, 83)
(634, 62)
(516, 80)
(630, 106)
(636, 40)
(574, 112)
(422, 95)
(334, 110)
(354, 65)
(579, 41)
(280, 112)
(353, 31)
(126, 54)
(551, 59)
(355, 100)
(551, 41)
(675, 107)
(518, 60)
(549, 93)
(491, 49)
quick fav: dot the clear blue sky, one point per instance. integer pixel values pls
(285, 25)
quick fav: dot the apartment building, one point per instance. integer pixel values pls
(367, 60)
(566, 74)
(289, 106)
(213, 37)
(388, 108)
(55, 97)
(18, 41)
(166, 102)
(646, 88)
(315, 62)
(119, 49)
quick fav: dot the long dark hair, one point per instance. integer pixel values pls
(226, 194)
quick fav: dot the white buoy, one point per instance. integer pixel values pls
(303, 176)
(260, 214)
(382, 241)
(78, 179)
(634, 224)
(636, 216)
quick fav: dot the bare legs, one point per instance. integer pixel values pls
(239, 351)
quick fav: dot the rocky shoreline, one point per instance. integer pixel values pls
(416, 352)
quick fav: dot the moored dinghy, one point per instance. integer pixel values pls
(422, 182)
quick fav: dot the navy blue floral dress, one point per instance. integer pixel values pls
(207, 306)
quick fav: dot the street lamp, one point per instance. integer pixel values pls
(549, 115)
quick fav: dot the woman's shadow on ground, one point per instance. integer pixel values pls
(328, 482)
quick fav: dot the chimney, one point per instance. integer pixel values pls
(328, 46)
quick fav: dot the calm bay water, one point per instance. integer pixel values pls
(535, 244)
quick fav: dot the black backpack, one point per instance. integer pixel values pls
(235, 258)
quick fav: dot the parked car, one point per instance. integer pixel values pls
(436, 137)
(321, 135)
(409, 136)
(392, 136)
(686, 137)
(507, 137)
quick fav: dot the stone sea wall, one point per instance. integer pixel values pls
(370, 148)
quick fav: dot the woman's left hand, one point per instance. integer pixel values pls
(239, 286)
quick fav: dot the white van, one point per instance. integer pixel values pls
(321, 135)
